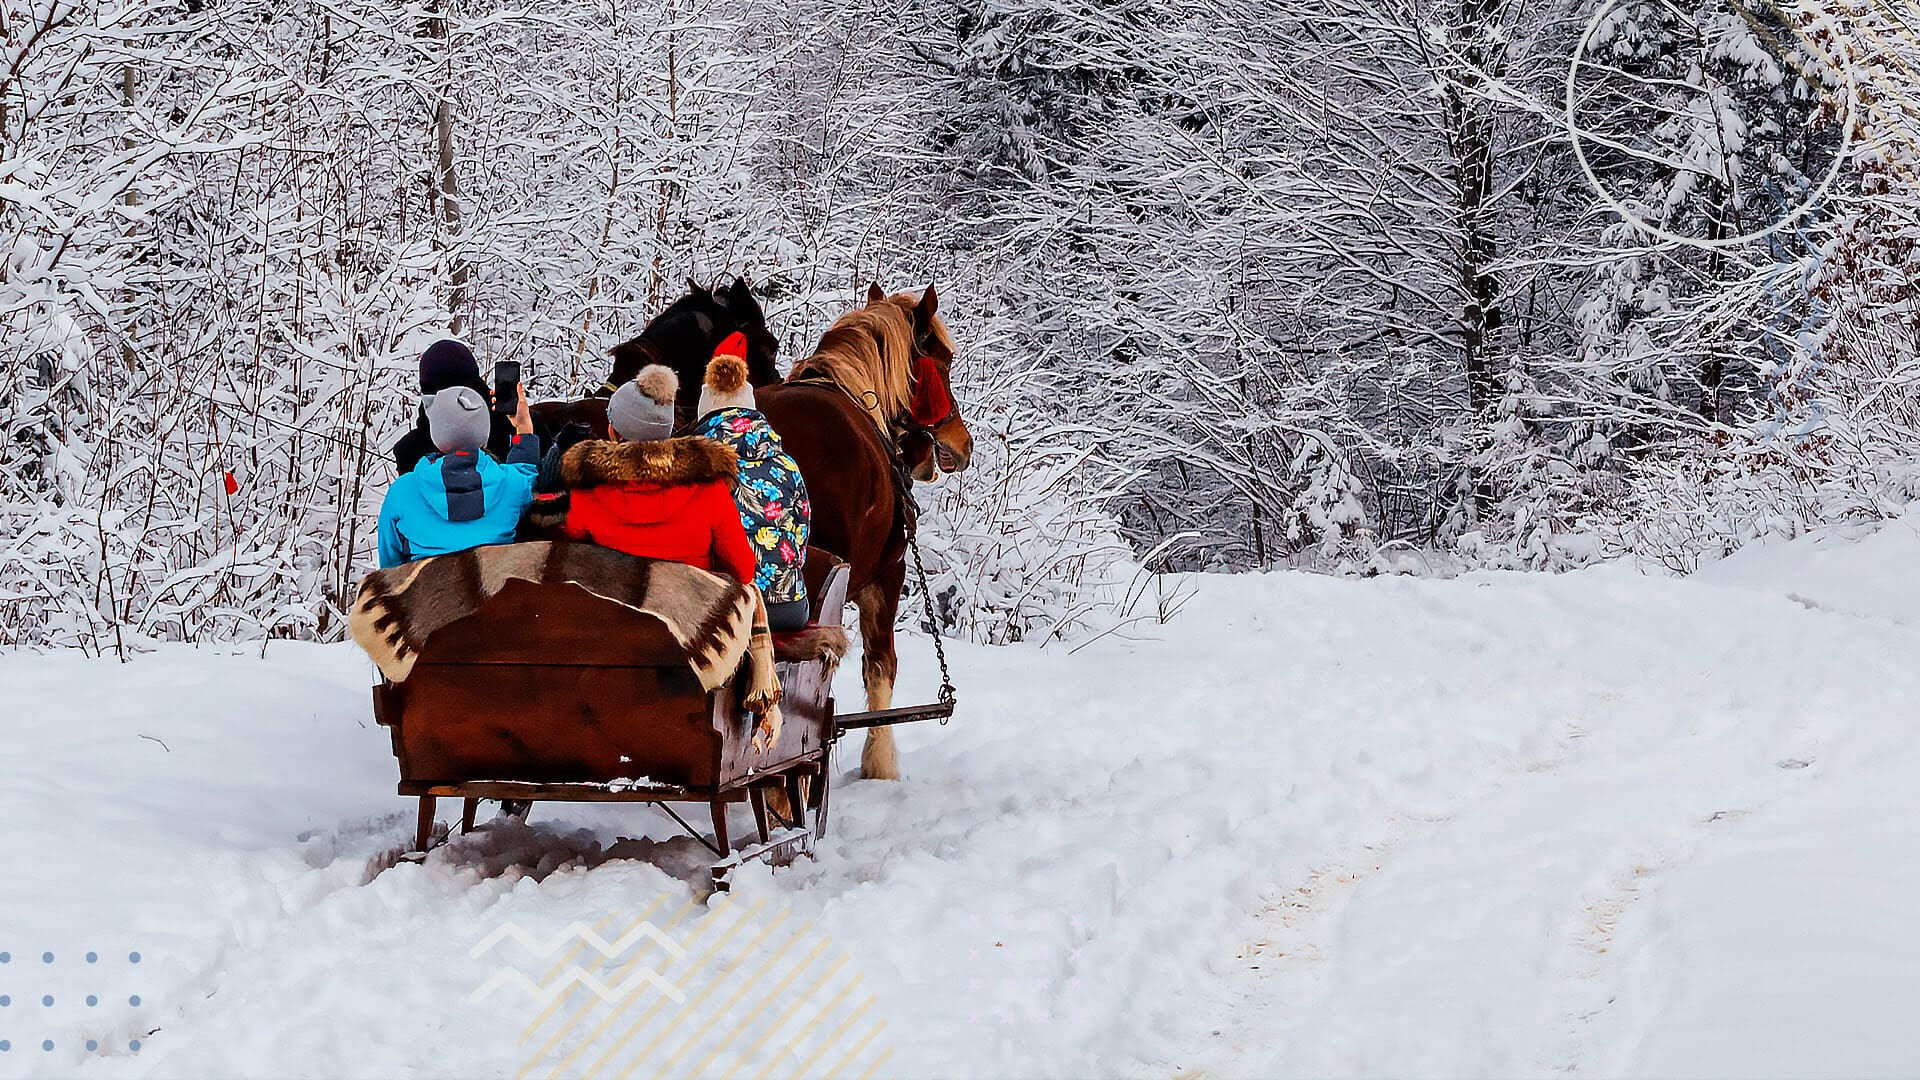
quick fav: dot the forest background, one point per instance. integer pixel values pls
(1358, 287)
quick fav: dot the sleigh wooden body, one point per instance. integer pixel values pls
(546, 692)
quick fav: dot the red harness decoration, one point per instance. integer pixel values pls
(932, 403)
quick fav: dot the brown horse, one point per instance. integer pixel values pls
(683, 338)
(880, 378)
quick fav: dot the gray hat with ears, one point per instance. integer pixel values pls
(457, 419)
(642, 410)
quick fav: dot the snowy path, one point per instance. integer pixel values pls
(1534, 930)
(1597, 823)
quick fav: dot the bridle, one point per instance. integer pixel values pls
(930, 400)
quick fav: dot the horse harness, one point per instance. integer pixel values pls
(921, 420)
(930, 403)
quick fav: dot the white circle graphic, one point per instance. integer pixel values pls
(1627, 215)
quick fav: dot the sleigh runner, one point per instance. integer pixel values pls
(566, 672)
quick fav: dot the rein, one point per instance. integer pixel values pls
(867, 407)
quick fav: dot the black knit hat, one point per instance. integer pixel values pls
(448, 363)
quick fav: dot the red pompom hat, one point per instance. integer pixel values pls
(726, 385)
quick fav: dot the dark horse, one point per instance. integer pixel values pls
(683, 338)
(880, 380)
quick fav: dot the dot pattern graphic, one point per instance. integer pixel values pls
(47, 1000)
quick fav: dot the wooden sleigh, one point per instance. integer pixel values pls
(546, 692)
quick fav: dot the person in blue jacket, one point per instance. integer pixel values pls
(461, 497)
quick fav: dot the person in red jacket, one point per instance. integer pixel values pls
(644, 493)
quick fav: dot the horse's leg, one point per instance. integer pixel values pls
(879, 602)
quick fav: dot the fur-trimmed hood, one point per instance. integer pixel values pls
(668, 462)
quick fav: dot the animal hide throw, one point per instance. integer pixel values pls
(712, 618)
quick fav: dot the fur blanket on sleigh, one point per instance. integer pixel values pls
(715, 620)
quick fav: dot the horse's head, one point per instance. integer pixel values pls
(690, 326)
(739, 304)
(936, 439)
(684, 335)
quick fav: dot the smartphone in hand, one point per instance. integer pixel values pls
(506, 387)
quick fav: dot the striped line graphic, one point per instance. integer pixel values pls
(753, 992)
(576, 932)
(577, 976)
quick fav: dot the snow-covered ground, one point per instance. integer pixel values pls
(1515, 824)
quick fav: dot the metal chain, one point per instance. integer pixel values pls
(910, 519)
(926, 598)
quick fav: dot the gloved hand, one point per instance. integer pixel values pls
(548, 481)
(544, 518)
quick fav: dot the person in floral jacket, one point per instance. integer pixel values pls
(769, 490)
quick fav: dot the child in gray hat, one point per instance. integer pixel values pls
(460, 497)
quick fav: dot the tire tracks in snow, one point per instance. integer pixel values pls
(1285, 945)
(1513, 936)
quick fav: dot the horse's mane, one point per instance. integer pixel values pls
(868, 352)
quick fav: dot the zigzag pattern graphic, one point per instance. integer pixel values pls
(576, 975)
(577, 931)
